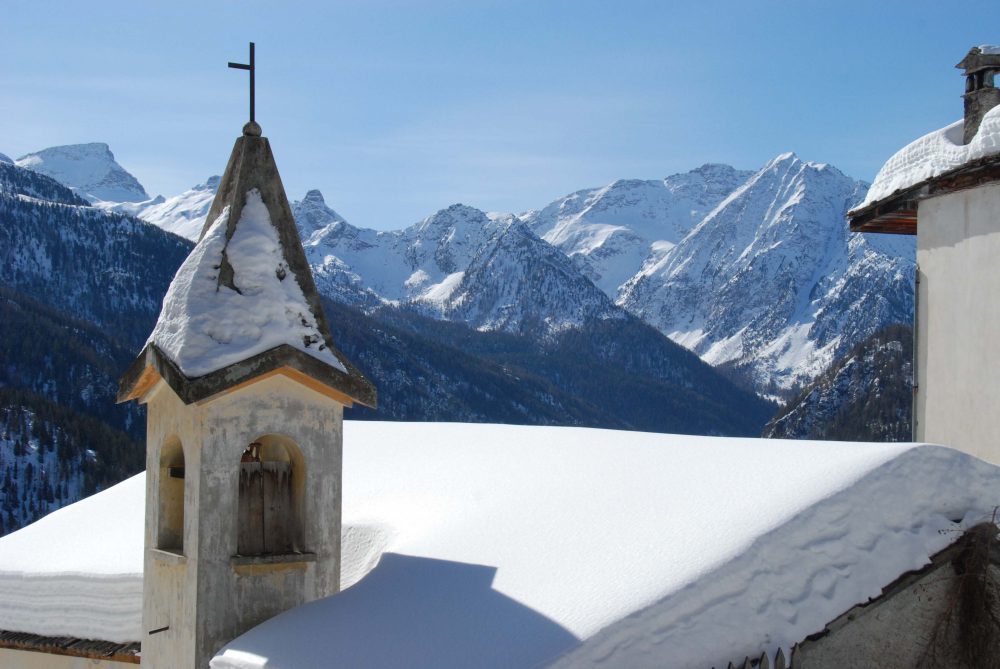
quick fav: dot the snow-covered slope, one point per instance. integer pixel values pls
(4, 158)
(772, 281)
(89, 169)
(182, 214)
(475, 545)
(611, 232)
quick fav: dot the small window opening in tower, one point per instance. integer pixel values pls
(989, 79)
(970, 83)
(272, 481)
(170, 525)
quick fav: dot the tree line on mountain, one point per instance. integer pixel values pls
(867, 395)
(51, 455)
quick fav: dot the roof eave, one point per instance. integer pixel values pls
(897, 213)
(152, 364)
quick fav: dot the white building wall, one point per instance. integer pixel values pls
(958, 321)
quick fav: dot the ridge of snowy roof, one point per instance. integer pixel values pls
(933, 155)
(244, 302)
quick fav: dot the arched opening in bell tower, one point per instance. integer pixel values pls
(170, 527)
(271, 496)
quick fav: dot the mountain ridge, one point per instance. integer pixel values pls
(753, 270)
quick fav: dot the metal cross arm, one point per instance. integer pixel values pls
(250, 67)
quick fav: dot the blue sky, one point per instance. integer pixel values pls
(397, 109)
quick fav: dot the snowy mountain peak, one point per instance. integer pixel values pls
(89, 169)
(771, 282)
(449, 239)
(786, 157)
(5, 159)
(711, 172)
(706, 186)
(312, 215)
(455, 216)
(613, 231)
(314, 196)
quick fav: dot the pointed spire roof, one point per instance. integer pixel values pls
(244, 304)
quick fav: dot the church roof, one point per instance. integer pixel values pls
(244, 304)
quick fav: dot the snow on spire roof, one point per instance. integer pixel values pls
(208, 322)
(244, 302)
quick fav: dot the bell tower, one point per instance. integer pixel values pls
(245, 393)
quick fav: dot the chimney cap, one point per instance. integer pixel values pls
(980, 57)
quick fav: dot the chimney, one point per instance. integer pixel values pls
(981, 65)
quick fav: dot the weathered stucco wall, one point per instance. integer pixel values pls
(942, 617)
(958, 321)
(893, 633)
(233, 595)
(24, 659)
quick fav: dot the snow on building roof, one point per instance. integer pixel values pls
(510, 546)
(933, 155)
(78, 571)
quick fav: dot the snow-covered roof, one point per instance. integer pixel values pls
(933, 155)
(78, 571)
(509, 546)
(244, 302)
(206, 325)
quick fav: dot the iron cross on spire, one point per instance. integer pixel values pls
(242, 66)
